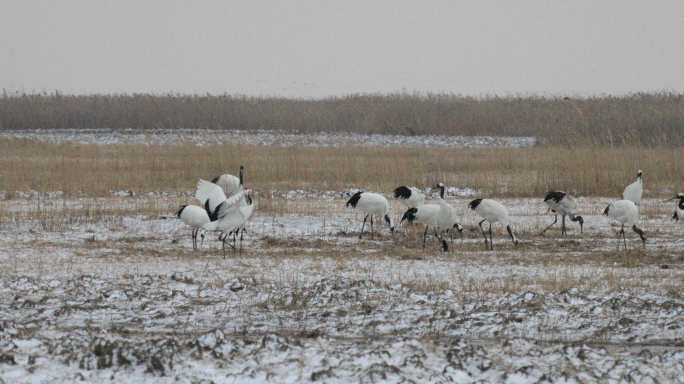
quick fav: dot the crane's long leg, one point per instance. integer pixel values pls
(483, 231)
(491, 241)
(510, 233)
(194, 238)
(363, 226)
(618, 240)
(563, 231)
(234, 241)
(622, 232)
(443, 243)
(425, 234)
(555, 220)
(242, 234)
(640, 232)
(372, 233)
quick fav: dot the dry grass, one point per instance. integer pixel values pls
(96, 170)
(645, 119)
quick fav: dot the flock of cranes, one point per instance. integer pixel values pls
(227, 206)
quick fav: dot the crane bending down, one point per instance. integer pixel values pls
(493, 212)
(427, 214)
(372, 204)
(438, 216)
(564, 204)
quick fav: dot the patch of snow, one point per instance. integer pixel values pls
(265, 137)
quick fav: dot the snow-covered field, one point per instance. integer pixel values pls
(110, 289)
(266, 137)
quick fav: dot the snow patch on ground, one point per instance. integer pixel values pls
(273, 138)
(124, 298)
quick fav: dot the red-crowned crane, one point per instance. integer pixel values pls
(438, 216)
(493, 212)
(195, 217)
(372, 204)
(226, 214)
(564, 204)
(625, 212)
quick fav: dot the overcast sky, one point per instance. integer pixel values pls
(314, 48)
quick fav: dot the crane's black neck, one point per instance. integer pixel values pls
(242, 175)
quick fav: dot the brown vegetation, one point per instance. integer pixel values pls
(639, 119)
(96, 170)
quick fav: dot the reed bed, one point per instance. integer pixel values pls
(97, 170)
(640, 119)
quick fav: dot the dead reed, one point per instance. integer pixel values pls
(97, 170)
(638, 119)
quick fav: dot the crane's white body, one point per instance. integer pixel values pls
(634, 191)
(372, 204)
(410, 197)
(434, 216)
(493, 212)
(195, 217)
(231, 186)
(567, 205)
(229, 213)
(625, 212)
(427, 214)
(448, 217)
(233, 219)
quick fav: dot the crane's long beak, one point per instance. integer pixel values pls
(668, 200)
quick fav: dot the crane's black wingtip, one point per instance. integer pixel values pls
(402, 192)
(556, 196)
(475, 203)
(354, 200)
(180, 211)
(409, 215)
